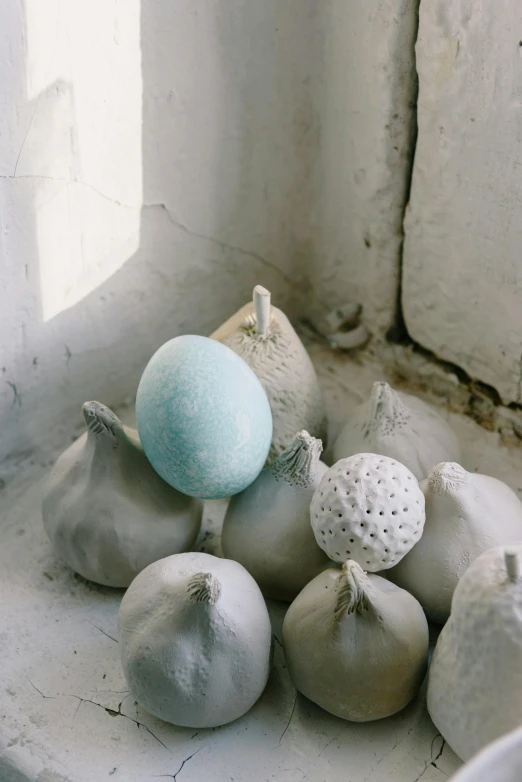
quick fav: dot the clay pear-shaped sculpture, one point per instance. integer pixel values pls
(475, 678)
(267, 527)
(106, 512)
(466, 514)
(264, 337)
(355, 644)
(399, 425)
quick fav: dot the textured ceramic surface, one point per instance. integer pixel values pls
(203, 418)
(368, 508)
(401, 426)
(106, 512)
(466, 514)
(355, 644)
(267, 527)
(264, 337)
(195, 640)
(475, 677)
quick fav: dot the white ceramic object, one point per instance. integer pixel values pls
(267, 527)
(500, 761)
(368, 508)
(466, 514)
(401, 426)
(106, 512)
(475, 677)
(355, 644)
(264, 337)
(195, 640)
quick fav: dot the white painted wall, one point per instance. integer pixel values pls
(366, 94)
(151, 163)
(159, 158)
(462, 292)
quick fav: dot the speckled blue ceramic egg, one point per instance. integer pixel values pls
(203, 418)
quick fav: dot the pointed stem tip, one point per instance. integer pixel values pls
(512, 565)
(262, 306)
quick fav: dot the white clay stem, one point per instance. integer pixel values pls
(204, 588)
(512, 565)
(352, 587)
(262, 307)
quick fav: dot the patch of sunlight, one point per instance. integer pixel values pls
(82, 152)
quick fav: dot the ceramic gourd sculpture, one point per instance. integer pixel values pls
(475, 678)
(267, 526)
(195, 640)
(368, 508)
(355, 644)
(106, 511)
(500, 761)
(401, 426)
(203, 418)
(264, 337)
(466, 514)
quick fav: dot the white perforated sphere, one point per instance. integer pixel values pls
(368, 508)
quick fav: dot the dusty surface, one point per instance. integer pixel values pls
(67, 716)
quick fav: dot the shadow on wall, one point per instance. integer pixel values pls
(113, 242)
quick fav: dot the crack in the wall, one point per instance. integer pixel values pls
(398, 332)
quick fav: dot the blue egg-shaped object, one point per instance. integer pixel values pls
(203, 418)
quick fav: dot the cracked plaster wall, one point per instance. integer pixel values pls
(158, 159)
(151, 173)
(462, 286)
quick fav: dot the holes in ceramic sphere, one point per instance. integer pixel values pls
(348, 473)
(330, 531)
(418, 524)
(329, 480)
(379, 481)
(392, 496)
(384, 560)
(343, 529)
(405, 510)
(348, 553)
(365, 548)
(340, 515)
(385, 530)
(329, 510)
(356, 480)
(335, 488)
(409, 477)
(367, 561)
(367, 474)
(322, 510)
(385, 550)
(400, 526)
(405, 489)
(394, 512)
(323, 532)
(362, 523)
(381, 513)
(322, 493)
(351, 540)
(337, 554)
(368, 511)
(372, 535)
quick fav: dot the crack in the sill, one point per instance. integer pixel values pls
(174, 776)
(118, 713)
